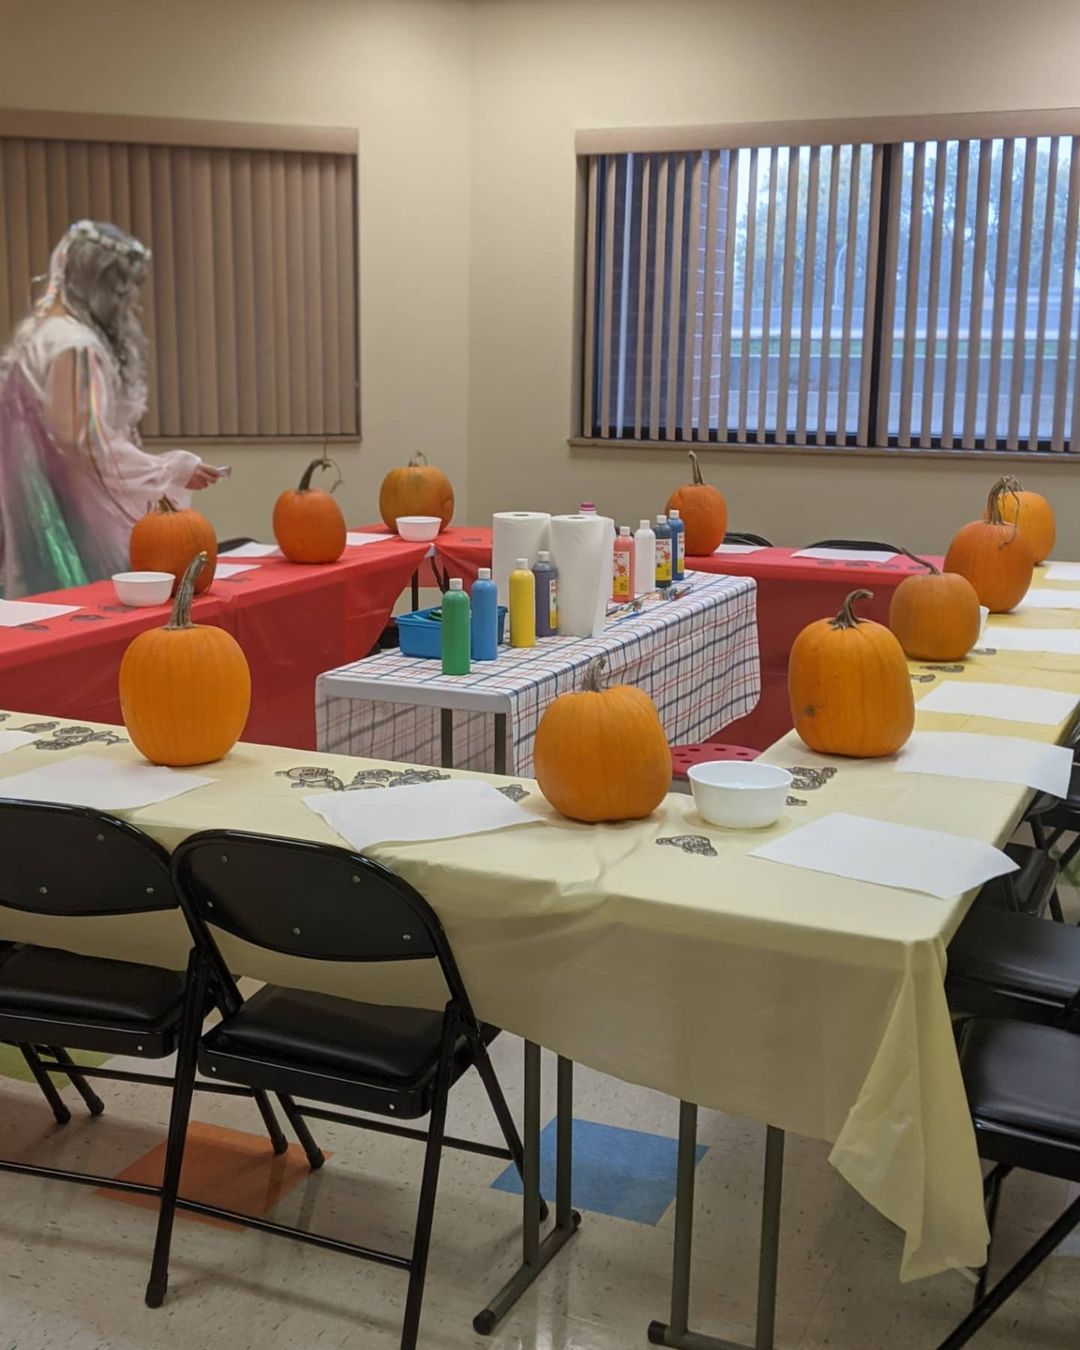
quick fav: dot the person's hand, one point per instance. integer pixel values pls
(203, 477)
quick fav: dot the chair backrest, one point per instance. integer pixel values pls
(864, 545)
(306, 899)
(71, 860)
(738, 537)
(224, 545)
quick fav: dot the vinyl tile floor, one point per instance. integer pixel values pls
(74, 1262)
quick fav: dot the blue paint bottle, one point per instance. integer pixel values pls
(547, 595)
(662, 530)
(678, 546)
(485, 617)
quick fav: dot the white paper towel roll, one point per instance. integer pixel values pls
(516, 534)
(581, 548)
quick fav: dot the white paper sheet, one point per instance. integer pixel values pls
(885, 854)
(1049, 599)
(224, 570)
(1009, 702)
(357, 538)
(15, 612)
(443, 810)
(106, 785)
(252, 551)
(11, 740)
(1063, 641)
(846, 554)
(1062, 571)
(991, 759)
(739, 548)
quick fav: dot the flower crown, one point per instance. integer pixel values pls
(126, 248)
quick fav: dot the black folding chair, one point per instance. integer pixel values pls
(1023, 1088)
(79, 864)
(862, 545)
(224, 545)
(325, 904)
(737, 537)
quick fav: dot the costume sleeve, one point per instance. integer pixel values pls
(81, 410)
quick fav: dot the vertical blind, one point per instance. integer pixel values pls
(914, 293)
(251, 306)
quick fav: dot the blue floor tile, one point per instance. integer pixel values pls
(623, 1173)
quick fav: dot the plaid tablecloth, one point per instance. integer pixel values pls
(696, 656)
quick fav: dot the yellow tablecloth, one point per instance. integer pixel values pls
(812, 1002)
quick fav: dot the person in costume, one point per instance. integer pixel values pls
(74, 477)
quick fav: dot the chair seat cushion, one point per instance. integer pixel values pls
(1023, 1077)
(320, 1033)
(49, 982)
(1018, 952)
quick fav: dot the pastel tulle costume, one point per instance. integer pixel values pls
(68, 500)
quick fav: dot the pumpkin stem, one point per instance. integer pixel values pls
(593, 683)
(417, 458)
(847, 618)
(165, 505)
(993, 505)
(321, 463)
(698, 481)
(923, 562)
(181, 610)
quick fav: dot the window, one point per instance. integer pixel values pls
(858, 290)
(251, 308)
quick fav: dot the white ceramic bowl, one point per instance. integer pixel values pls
(143, 588)
(418, 529)
(739, 794)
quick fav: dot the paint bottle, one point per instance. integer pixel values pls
(455, 627)
(663, 552)
(678, 546)
(485, 617)
(587, 509)
(644, 559)
(547, 595)
(522, 605)
(622, 574)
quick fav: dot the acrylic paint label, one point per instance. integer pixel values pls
(663, 560)
(620, 587)
(553, 605)
(680, 552)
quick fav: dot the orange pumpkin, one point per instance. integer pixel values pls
(308, 523)
(185, 689)
(994, 557)
(849, 686)
(1032, 515)
(166, 539)
(419, 489)
(935, 615)
(703, 511)
(602, 754)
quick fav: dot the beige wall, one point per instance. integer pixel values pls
(399, 71)
(544, 68)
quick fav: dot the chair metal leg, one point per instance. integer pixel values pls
(315, 1155)
(1035, 1255)
(277, 1137)
(48, 1088)
(676, 1331)
(93, 1102)
(535, 1254)
(425, 1213)
(1055, 907)
(992, 1196)
(183, 1090)
(503, 1114)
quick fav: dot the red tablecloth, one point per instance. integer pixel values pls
(792, 592)
(293, 622)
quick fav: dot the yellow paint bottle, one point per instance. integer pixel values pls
(522, 605)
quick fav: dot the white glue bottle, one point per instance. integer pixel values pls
(644, 559)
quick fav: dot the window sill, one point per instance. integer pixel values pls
(182, 441)
(829, 451)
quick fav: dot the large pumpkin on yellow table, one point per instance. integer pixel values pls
(703, 512)
(849, 686)
(185, 689)
(602, 754)
(994, 557)
(419, 489)
(935, 615)
(167, 538)
(308, 523)
(1032, 515)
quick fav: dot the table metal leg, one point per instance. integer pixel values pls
(537, 1252)
(415, 591)
(676, 1332)
(500, 742)
(446, 736)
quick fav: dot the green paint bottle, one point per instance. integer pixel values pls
(456, 635)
